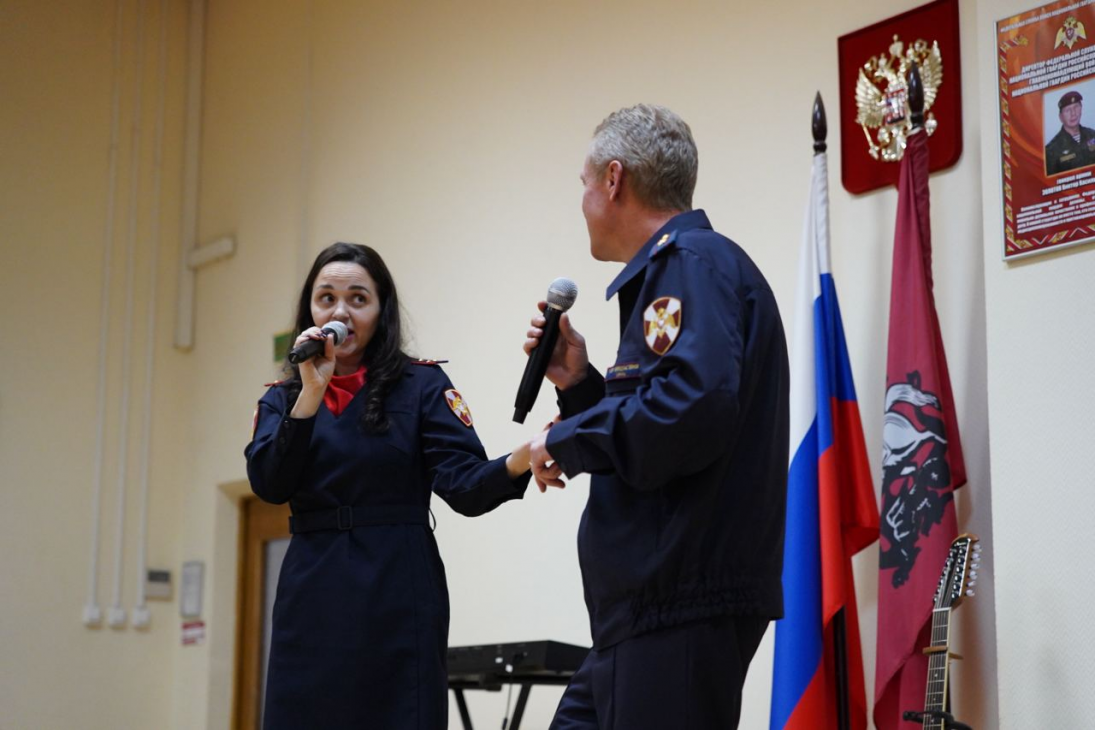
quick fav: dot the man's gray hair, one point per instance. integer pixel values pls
(657, 151)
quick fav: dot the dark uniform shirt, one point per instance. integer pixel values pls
(687, 441)
(361, 616)
(1064, 153)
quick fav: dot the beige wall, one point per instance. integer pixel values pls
(1040, 350)
(55, 121)
(450, 136)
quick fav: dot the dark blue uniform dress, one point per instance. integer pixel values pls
(681, 542)
(362, 610)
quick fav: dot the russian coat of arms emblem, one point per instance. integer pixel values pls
(881, 95)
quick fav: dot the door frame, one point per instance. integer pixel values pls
(259, 522)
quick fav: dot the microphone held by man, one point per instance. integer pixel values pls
(560, 297)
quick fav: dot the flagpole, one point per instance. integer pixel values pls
(840, 643)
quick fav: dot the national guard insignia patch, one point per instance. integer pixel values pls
(662, 323)
(458, 406)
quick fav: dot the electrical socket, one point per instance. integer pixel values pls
(115, 617)
(142, 617)
(93, 616)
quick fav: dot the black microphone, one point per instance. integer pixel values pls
(311, 348)
(560, 297)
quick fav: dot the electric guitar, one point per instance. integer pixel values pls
(957, 581)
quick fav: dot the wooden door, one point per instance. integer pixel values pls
(264, 535)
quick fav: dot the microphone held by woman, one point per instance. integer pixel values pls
(311, 348)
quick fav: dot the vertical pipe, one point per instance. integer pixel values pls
(184, 314)
(140, 612)
(304, 249)
(92, 613)
(117, 616)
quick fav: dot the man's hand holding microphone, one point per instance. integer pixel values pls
(564, 365)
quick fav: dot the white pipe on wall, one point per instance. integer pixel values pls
(117, 616)
(92, 612)
(304, 248)
(184, 314)
(141, 616)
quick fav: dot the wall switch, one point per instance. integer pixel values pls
(157, 585)
(190, 602)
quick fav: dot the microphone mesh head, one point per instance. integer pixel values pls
(337, 330)
(562, 293)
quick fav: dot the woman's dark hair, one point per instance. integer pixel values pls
(384, 354)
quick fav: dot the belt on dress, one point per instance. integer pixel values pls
(347, 517)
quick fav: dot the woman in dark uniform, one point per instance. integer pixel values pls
(356, 441)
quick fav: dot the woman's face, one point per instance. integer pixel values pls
(345, 292)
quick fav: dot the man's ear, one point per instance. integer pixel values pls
(614, 177)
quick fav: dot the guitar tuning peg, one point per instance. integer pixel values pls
(972, 582)
(973, 574)
(970, 592)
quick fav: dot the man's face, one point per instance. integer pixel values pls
(1070, 115)
(595, 204)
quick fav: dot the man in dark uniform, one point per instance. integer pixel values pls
(686, 436)
(1074, 146)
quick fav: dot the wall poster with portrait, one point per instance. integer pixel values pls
(1047, 126)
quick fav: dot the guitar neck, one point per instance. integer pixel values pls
(935, 696)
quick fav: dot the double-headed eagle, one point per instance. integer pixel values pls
(881, 95)
(1072, 31)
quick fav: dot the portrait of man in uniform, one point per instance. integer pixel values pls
(1073, 146)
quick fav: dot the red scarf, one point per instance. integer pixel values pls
(342, 389)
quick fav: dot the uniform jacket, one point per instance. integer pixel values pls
(1064, 153)
(686, 437)
(361, 615)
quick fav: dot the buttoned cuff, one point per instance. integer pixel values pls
(562, 447)
(583, 395)
(293, 434)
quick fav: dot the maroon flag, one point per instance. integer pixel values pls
(922, 461)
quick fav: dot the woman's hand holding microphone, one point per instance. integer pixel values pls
(315, 373)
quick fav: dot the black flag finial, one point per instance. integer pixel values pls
(820, 127)
(916, 97)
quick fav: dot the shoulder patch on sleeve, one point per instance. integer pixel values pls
(435, 363)
(458, 406)
(666, 241)
(662, 322)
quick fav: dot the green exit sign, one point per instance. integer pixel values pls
(282, 340)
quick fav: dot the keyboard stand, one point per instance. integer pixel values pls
(526, 683)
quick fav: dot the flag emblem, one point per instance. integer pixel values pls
(662, 324)
(458, 406)
(916, 479)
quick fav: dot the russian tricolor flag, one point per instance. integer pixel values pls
(831, 508)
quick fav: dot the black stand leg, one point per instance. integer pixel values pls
(519, 711)
(463, 706)
(840, 656)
